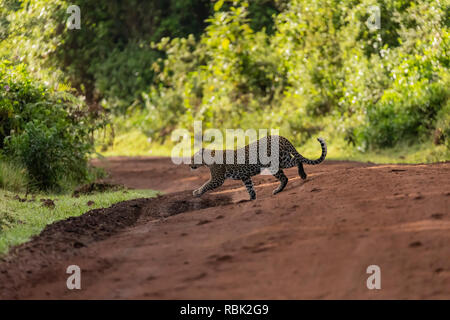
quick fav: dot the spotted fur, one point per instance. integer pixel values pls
(287, 155)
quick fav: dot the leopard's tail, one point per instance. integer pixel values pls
(317, 161)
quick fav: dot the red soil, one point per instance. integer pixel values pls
(314, 240)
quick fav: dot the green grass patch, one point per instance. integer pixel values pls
(339, 149)
(19, 221)
(133, 143)
(12, 177)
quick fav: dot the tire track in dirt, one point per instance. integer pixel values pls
(313, 240)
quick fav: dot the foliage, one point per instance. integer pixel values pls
(108, 60)
(109, 57)
(222, 79)
(321, 69)
(408, 115)
(303, 66)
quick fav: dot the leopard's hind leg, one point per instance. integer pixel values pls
(283, 181)
(289, 160)
(301, 171)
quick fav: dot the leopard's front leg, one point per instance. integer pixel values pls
(217, 179)
(249, 185)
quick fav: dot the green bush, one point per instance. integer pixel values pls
(45, 131)
(124, 75)
(45, 154)
(405, 116)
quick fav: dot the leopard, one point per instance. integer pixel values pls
(252, 165)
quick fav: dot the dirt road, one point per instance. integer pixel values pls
(313, 240)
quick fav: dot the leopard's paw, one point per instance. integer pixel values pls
(196, 193)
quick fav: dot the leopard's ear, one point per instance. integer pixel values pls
(200, 151)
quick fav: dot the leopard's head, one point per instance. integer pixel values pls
(194, 165)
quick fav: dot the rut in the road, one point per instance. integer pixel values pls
(64, 238)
